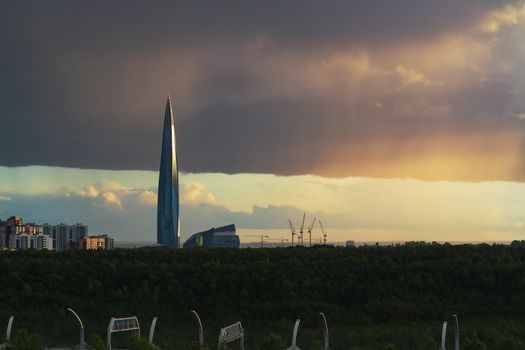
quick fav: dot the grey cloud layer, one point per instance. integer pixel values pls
(138, 25)
(280, 87)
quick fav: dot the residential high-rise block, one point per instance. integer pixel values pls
(65, 236)
(97, 242)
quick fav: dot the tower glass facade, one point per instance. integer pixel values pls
(168, 227)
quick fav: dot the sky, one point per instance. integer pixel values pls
(388, 120)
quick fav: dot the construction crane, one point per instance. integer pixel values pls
(262, 237)
(325, 234)
(310, 231)
(302, 229)
(282, 240)
(292, 228)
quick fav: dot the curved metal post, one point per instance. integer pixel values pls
(201, 332)
(456, 338)
(242, 342)
(110, 327)
(326, 337)
(152, 330)
(295, 330)
(294, 337)
(9, 326)
(443, 335)
(82, 343)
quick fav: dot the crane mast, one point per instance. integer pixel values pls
(310, 231)
(292, 229)
(282, 240)
(325, 234)
(262, 237)
(302, 229)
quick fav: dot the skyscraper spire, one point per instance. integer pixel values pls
(168, 223)
(168, 115)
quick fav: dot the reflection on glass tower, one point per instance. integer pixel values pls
(168, 228)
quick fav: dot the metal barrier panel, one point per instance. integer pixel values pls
(123, 324)
(231, 333)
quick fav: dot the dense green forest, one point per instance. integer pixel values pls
(374, 297)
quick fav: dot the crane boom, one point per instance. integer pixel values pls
(292, 228)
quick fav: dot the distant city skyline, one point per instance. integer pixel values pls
(388, 120)
(123, 204)
(15, 233)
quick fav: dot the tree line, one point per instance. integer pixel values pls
(374, 297)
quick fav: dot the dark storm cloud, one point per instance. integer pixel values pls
(138, 25)
(83, 85)
(300, 138)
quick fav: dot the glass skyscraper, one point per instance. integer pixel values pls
(168, 224)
